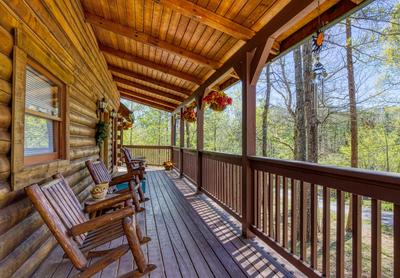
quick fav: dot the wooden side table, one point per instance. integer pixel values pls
(91, 201)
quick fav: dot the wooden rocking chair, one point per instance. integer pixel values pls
(100, 174)
(79, 236)
(133, 166)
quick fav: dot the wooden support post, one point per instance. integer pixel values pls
(173, 132)
(200, 141)
(181, 143)
(248, 142)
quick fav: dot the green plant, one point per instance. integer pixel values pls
(101, 132)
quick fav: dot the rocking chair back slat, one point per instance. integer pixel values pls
(98, 171)
(52, 218)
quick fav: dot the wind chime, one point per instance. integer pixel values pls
(318, 44)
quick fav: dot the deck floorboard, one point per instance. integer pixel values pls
(191, 237)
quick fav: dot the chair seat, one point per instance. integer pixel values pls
(102, 235)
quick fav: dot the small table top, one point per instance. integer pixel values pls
(91, 200)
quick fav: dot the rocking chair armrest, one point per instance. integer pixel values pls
(100, 221)
(121, 179)
(107, 203)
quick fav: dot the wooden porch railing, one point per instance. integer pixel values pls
(299, 208)
(176, 157)
(155, 155)
(222, 180)
(190, 164)
(288, 196)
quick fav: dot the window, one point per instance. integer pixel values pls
(43, 132)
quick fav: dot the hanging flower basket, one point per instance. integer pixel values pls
(189, 114)
(217, 100)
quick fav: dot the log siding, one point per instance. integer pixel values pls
(60, 26)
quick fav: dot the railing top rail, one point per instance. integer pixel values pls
(188, 150)
(225, 157)
(379, 185)
(148, 146)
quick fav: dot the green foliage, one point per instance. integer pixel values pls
(150, 126)
(101, 132)
(36, 132)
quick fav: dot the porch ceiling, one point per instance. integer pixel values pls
(162, 52)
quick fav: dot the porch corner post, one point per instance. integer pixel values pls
(248, 142)
(173, 131)
(181, 143)
(200, 142)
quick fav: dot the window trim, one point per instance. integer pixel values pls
(58, 122)
(29, 47)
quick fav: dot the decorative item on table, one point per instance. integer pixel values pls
(168, 165)
(217, 100)
(189, 114)
(99, 191)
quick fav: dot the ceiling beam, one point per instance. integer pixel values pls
(146, 63)
(145, 102)
(283, 17)
(147, 89)
(147, 98)
(333, 14)
(266, 48)
(144, 38)
(209, 18)
(147, 79)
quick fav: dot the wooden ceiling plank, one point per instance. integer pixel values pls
(147, 79)
(145, 102)
(141, 61)
(130, 33)
(209, 18)
(145, 97)
(147, 89)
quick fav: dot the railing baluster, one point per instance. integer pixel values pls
(376, 238)
(285, 212)
(326, 230)
(303, 221)
(265, 203)
(277, 208)
(256, 216)
(340, 235)
(396, 242)
(270, 205)
(314, 225)
(356, 256)
(294, 216)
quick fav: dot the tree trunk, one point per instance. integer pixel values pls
(310, 104)
(353, 110)
(300, 128)
(266, 110)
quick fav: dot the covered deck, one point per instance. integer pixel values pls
(191, 237)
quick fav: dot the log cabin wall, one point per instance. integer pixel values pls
(24, 240)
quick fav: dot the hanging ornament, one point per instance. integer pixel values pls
(318, 42)
(319, 70)
(319, 38)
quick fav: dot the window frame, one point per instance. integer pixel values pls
(27, 48)
(58, 122)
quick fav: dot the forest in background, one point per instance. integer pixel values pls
(350, 117)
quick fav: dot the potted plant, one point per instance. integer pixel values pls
(189, 114)
(217, 100)
(101, 132)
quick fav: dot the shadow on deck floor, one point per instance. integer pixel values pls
(191, 237)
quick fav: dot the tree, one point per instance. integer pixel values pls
(353, 110)
(267, 97)
(300, 124)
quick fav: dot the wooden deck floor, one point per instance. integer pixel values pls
(191, 237)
